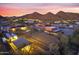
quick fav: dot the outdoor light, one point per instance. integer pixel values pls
(15, 37)
(13, 29)
(27, 49)
(23, 28)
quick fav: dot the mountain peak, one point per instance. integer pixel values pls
(35, 13)
(60, 12)
(50, 13)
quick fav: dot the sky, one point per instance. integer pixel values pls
(18, 9)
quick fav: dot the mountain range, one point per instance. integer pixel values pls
(50, 16)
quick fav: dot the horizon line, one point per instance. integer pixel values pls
(36, 12)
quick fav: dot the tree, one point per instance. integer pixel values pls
(64, 42)
(75, 42)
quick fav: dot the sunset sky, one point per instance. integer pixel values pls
(18, 9)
